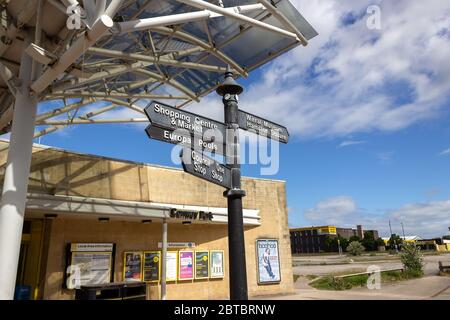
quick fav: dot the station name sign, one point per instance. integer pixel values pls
(205, 167)
(263, 127)
(191, 215)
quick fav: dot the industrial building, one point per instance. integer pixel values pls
(313, 239)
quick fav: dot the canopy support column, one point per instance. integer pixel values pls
(163, 260)
(14, 194)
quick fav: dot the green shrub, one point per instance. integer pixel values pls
(355, 248)
(412, 260)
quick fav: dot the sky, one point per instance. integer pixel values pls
(367, 111)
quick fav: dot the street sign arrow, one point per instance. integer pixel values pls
(204, 167)
(263, 127)
(184, 138)
(165, 116)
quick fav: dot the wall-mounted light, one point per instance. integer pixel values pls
(103, 219)
(146, 221)
(50, 216)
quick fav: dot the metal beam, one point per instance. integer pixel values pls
(233, 14)
(162, 21)
(74, 52)
(153, 59)
(86, 116)
(196, 41)
(285, 21)
(92, 121)
(171, 82)
(70, 107)
(79, 94)
(126, 104)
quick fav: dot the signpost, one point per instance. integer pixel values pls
(177, 126)
(204, 167)
(260, 126)
(197, 134)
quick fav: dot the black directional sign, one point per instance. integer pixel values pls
(206, 168)
(184, 138)
(204, 129)
(263, 127)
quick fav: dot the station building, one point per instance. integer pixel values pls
(103, 206)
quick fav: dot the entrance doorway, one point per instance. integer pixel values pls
(29, 268)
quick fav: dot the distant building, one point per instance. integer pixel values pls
(347, 233)
(312, 239)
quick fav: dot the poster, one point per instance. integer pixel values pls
(216, 263)
(152, 266)
(201, 264)
(186, 265)
(268, 261)
(132, 266)
(171, 265)
(90, 263)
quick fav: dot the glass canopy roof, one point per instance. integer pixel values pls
(142, 57)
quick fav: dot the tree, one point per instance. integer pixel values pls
(354, 238)
(379, 243)
(395, 240)
(355, 248)
(369, 242)
(412, 260)
(332, 243)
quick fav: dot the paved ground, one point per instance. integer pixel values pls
(316, 265)
(430, 286)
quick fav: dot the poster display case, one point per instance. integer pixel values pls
(152, 266)
(216, 264)
(268, 261)
(202, 264)
(132, 266)
(185, 265)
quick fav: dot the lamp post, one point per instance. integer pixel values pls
(229, 91)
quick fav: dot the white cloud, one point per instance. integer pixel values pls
(429, 219)
(385, 157)
(347, 143)
(351, 79)
(446, 151)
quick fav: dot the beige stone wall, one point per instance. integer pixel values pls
(65, 173)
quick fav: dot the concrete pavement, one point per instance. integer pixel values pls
(432, 287)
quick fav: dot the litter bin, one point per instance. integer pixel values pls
(113, 291)
(22, 293)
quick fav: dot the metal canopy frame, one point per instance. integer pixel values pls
(110, 54)
(85, 64)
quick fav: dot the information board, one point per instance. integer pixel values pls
(171, 265)
(89, 263)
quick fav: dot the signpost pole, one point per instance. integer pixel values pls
(229, 90)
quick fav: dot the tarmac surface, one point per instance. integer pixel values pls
(430, 287)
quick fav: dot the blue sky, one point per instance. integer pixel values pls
(368, 114)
